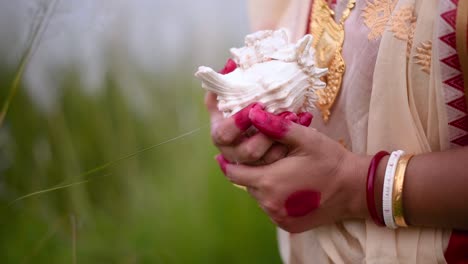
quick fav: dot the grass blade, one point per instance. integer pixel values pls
(103, 166)
(48, 190)
(38, 33)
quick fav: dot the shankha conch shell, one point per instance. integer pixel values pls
(270, 70)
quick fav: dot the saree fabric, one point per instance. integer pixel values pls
(403, 89)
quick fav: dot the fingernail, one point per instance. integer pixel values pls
(229, 67)
(222, 162)
(305, 118)
(241, 118)
(258, 116)
(258, 106)
(291, 117)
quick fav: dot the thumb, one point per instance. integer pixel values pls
(211, 102)
(278, 127)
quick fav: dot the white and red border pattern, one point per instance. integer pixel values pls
(451, 73)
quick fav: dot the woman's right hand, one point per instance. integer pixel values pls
(230, 134)
(235, 144)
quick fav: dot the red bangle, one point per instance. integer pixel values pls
(370, 187)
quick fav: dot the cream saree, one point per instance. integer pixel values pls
(401, 90)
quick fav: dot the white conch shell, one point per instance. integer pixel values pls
(280, 75)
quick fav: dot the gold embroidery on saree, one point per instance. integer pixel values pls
(423, 56)
(328, 44)
(403, 25)
(376, 16)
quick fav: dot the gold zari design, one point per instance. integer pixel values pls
(376, 16)
(328, 44)
(423, 56)
(403, 25)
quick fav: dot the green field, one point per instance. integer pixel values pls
(169, 204)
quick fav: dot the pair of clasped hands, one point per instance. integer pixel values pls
(301, 178)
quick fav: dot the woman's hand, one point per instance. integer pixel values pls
(231, 138)
(318, 182)
(231, 135)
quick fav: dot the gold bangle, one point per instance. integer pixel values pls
(397, 196)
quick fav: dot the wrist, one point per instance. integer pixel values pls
(356, 186)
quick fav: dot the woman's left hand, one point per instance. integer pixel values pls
(319, 182)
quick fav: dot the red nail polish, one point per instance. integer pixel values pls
(302, 202)
(241, 118)
(229, 67)
(305, 118)
(289, 116)
(222, 162)
(258, 106)
(269, 124)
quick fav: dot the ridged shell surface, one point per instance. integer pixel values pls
(270, 70)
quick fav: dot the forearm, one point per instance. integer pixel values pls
(435, 190)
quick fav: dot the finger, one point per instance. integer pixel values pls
(305, 118)
(241, 118)
(253, 192)
(223, 162)
(289, 116)
(249, 150)
(229, 67)
(211, 102)
(279, 128)
(225, 131)
(275, 153)
(241, 175)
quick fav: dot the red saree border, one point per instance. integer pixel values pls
(462, 40)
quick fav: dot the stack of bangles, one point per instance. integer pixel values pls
(392, 198)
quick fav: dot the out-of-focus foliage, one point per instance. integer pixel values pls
(169, 204)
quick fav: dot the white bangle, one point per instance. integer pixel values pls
(387, 191)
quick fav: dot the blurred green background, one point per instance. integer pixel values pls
(169, 204)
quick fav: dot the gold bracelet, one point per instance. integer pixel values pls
(397, 197)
